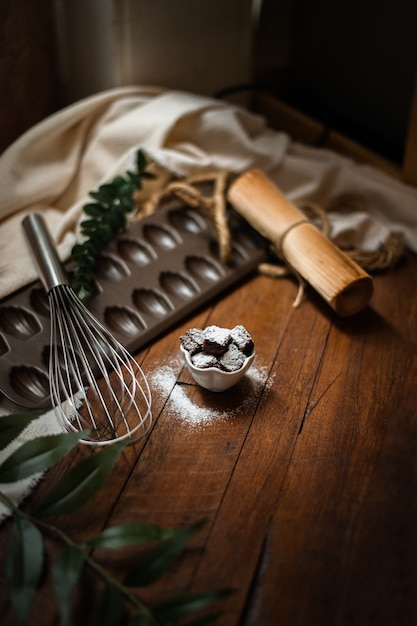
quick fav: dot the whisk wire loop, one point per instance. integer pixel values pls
(69, 381)
(90, 368)
(94, 382)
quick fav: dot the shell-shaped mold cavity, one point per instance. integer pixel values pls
(178, 285)
(242, 238)
(30, 382)
(58, 355)
(3, 346)
(161, 237)
(71, 366)
(39, 301)
(151, 302)
(136, 252)
(187, 220)
(19, 322)
(204, 268)
(111, 269)
(123, 320)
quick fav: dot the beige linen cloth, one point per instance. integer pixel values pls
(53, 166)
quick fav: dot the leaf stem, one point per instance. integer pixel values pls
(96, 567)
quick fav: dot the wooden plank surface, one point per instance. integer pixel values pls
(305, 471)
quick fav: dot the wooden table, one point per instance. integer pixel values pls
(306, 471)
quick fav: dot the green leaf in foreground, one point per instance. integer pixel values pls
(12, 425)
(81, 483)
(183, 606)
(38, 455)
(23, 565)
(111, 609)
(65, 575)
(156, 561)
(133, 533)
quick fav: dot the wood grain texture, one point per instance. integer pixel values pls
(305, 472)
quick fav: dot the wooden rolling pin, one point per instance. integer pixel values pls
(338, 279)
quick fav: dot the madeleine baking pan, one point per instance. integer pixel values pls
(153, 275)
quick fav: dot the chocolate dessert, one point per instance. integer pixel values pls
(223, 348)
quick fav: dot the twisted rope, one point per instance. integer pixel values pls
(188, 190)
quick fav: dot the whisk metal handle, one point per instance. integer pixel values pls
(51, 270)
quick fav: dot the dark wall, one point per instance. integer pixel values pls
(29, 89)
(352, 63)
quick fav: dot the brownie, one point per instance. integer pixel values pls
(232, 360)
(192, 341)
(218, 347)
(242, 339)
(203, 360)
(216, 340)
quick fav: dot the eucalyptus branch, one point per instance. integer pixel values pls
(56, 532)
(106, 219)
(99, 570)
(25, 551)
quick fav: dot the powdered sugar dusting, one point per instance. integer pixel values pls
(185, 408)
(182, 405)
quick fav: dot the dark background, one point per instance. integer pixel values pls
(351, 64)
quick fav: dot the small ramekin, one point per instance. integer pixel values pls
(214, 379)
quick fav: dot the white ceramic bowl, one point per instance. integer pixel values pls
(214, 379)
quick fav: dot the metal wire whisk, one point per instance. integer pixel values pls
(95, 383)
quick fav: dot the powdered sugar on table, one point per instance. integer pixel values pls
(163, 380)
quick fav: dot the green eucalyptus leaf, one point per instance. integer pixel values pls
(81, 483)
(112, 201)
(117, 221)
(77, 250)
(105, 193)
(126, 190)
(87, 263)
(91, 229)
(23, 565)
(127, 205)
(118, 181)
(92, 246)
(141, 161)
(129, 534)
(81, 270)
(95, 195)
(83, 290)
(94, 209)
(92, 223)
(184, 605)
(12, 425)
(134, 179)
(105, 232)
(66, 573)
(111, 609)
(153, 563)
(82, 287)
(37, 455)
